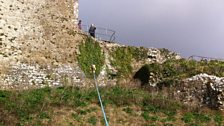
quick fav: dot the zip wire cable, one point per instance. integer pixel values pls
(97, 89)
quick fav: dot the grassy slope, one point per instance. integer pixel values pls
(74, 106)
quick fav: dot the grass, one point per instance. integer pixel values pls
(218, 118)
(36, 107)
(92, 120)
(128, 110)
(196, 118)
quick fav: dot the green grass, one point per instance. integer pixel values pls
(154, 118)
(76, 116)
(146, 116)
(188, 118)
(218, 118)
(44, 115)
(30, 107)
(128, 110)
(90, 53)
(192, 118)
(92, 120)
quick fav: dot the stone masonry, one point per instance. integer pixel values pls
(38, 37)
(202, 90)
(33, 22)
(39, 46)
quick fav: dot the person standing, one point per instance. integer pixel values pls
(80, 25)
(92, 30)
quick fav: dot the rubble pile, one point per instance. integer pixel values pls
(202, 90)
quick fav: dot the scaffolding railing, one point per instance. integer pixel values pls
(204, 58)
(103, 34)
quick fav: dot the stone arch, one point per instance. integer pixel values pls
(142, 75)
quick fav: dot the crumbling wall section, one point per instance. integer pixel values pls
(202, 90)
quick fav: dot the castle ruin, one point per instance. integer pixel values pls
(34, 22)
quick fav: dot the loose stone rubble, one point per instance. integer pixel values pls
(202, 90)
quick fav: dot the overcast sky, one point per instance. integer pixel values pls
(188, 27)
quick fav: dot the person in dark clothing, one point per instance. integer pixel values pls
(92, 30)
(80, 25)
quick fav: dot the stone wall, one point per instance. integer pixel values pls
(38, 37)
(202, 90)
(39, 46)
(29, 26)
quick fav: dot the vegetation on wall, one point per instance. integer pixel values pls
(123, 57)
(90, 53)
(166, 53)
(138, 53)
(174, 70)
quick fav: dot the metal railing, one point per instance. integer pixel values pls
(103, 34)
(204, 58)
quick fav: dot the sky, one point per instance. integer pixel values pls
(188, 27)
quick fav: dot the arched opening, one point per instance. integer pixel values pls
(143, 75)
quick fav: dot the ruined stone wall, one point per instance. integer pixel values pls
(28, 27)
(202, 90)
(39, 46)
(38, 42)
